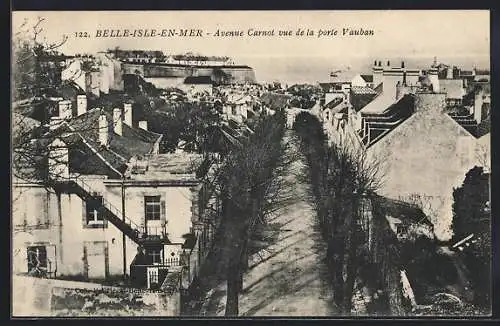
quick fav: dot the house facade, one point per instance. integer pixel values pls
(111, 205)
(422, 150)
(94, 75)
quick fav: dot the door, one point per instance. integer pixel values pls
(96, 259)
(154, 215)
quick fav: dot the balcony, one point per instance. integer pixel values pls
(153, 233)
(151, 275)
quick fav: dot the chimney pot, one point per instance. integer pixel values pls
(402, 64)
(388, 63)
(127, 108)
(103, 130)
(81, 104)
(65, 109)
(117, 121)
(143, 124)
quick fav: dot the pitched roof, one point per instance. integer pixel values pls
(23, 123)
(343, 76)
(335, 104)
(378, 105)
(453, 88)
(482, 72)
(380, 123)
(132, 141)
(160, 166)
(360, 98)
(363, 90)
(484, 127)
(404, 211)
(367, 78)
(81, 133)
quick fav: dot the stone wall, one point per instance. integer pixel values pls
(237, 74)
(50, 297)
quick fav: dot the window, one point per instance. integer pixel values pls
(152, 207)
(401, 229)
(94, 216)
(37, 259)
(154, 256)
(153, 278)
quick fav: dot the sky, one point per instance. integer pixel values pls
(457, 37)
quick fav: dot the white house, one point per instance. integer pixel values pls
(111, 204)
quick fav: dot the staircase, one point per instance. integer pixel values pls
(110, 213)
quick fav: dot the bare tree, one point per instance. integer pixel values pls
(340, 178)
(249, 186)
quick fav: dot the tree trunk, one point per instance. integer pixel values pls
(232, 294)
(243, 265)
(240, 280)
(350, 266)
(349, 283)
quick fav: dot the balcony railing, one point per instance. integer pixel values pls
(154, 231)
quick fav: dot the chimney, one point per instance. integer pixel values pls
(402, 64)
(127, 112)
(377, 74)
(117, 121)
(65, 109)
(55, 122)
(380, 63)
(143, 124)
(388, 63)
(58, 159)
(103, 130)
(449, 73)
(478, 106)
(433, 78)
(81, 104)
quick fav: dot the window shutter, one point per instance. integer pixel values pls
(45, 216)
(143, 219)
(163, 212)
(51, 258)
(39, 201)
(84, 212)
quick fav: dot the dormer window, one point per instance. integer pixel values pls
(401, 229)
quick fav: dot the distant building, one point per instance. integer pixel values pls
(198, 84)
(454, 90)
(95, 75)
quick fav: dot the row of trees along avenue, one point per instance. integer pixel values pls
(339, 179)
(247, 184)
